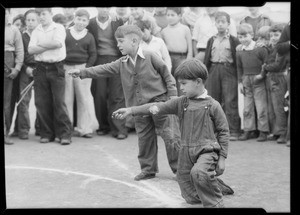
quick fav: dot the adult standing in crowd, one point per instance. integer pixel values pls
(47, 43)
(13, 60)
(107, 92)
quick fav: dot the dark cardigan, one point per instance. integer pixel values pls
(234, 42)
(93, 29)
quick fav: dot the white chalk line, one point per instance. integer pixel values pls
(159, 192)
(161, 197)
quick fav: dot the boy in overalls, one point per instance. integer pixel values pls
(204, 134)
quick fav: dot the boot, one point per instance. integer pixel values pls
(281, 139)
(244, 136)
(262, 136)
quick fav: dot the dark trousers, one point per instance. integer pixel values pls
(9, 61)
(108, 97)
(177, 59)
(147, 128)
(49, 85)
(23, 120)
(222, 85)
(276, 89)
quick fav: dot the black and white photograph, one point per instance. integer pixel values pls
(147, 107)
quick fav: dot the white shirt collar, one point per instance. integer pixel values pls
(104, 25)
(78, 35)
(203, 95)
(139, 53)
(249, 47)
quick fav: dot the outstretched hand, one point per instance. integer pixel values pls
(121, 113)
(75, 73)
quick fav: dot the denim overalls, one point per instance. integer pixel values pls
(199, 153)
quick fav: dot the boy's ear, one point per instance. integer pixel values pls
(199, 80)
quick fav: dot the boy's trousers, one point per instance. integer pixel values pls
(222, 85)
(177, 59)
(255, 97)
(81, 89)
(146, 127)
(9, 61)
(23, 108)
(108, 97)
(49, 85)
(276, 88)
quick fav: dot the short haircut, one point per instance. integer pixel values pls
(222, 13)
(82, 12)
(128, 29)
(244, 29)
(143, 24)
(263, 32)
(277, 27)
(41, 9)
(177, 10)
(59, 18)
(19, 17)
(29, 11)
(191, 70)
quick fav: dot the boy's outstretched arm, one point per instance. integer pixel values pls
(104, 70)
(122, 113)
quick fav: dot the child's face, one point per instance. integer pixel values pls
(45, 17)
(18, 24)
(137, 12)
(146, 35)
(173, 17)
(253, 10)
(189, 88)
(245, 39)
(222, 24)
(103, 12)
(274, 37)
(126, 45)
(31, 21)
(80, 22)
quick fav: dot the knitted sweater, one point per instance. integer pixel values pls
(249, 62)
(148, 79)
(28, 58)
(80, 51)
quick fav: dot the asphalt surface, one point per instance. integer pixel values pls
(99, 172)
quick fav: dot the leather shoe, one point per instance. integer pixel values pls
(102, 132)
(144, 176)
(65, 142)
(44, 140)
(121, 136)
(8, 141)
(89, 135)
(23, 136)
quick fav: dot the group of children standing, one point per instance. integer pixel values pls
(207, 108)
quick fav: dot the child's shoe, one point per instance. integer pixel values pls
(281, 139)
(244, 136)
(262, 136)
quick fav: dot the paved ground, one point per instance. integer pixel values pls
(98, 172)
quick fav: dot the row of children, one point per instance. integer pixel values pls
(177, 56)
